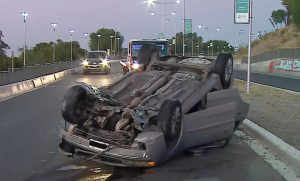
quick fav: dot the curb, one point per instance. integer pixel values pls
(289, 154)
(25, 86)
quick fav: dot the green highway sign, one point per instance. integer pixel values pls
(188, 24)
(241, 11)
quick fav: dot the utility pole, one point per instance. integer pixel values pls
(12, 62)
(183, 38)
(249, 48)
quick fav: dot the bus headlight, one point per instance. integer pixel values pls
(135, 66)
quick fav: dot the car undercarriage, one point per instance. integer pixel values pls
(177, 103)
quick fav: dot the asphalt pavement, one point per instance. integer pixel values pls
(29, 126)
(282, 82)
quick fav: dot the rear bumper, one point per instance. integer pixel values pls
(113, 155)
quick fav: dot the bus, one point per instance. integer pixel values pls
(136, 44)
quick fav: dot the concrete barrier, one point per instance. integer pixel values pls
(48, 79)
(16, 88)
(37, 82)
(20, 87)
(5, 91)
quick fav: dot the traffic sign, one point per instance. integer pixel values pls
(241, 11)
(188, 26)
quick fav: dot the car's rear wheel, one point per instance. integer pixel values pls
(147, 53)
(71, 111)
(170, 121)
(224, 67)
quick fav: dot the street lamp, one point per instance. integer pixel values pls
(200, 27)
(71, 31)
(153, 2)
(174, 14)
(54, 25)
(98, 41)
(24, 15)
(85, 39)
(111, 43)
(218, 30)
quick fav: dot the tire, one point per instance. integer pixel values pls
(125, 70)
(147, 53)
(71, 103)
(170, 121)
(224, 67)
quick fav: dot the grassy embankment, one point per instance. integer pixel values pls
(283, 38)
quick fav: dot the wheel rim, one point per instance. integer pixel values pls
(228, 70)
(175, 124)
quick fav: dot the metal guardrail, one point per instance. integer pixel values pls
(35, 71)
(274, 54)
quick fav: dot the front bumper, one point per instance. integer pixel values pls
(99, 68)
(113, 155)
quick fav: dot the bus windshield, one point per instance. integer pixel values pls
(162, 46)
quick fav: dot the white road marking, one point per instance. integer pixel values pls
(279, 165)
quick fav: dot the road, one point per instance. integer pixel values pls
(29, 139)
(288, 83)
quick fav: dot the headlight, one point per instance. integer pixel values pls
(135, 66)
(104, 62)
(85, 63)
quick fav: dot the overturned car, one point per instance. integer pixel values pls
(147, 117)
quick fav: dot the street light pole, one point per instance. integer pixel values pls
(200, 27)
(153, 2)
(54, 28)
(183, 38)
(218, 29)
(174, 14)
(85, 39)
(249, 47)
(98, 41)
(164, 20)
(111, 42)
(24, 14)
(71, 34)
(118, 45)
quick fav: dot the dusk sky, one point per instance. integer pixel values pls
(131, 17)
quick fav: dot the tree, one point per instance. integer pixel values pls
(279, 17)
(191, 42)
(3, 46)
(3, 58)
(286, 4)
(42, 53)
(213, 47)
(295, 9)
(105, 39)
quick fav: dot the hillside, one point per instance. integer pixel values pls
(283, 38)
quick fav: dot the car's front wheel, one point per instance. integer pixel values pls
(224, 67)
(170, 121)
(71, 109)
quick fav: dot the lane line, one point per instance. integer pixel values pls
(267, 155)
